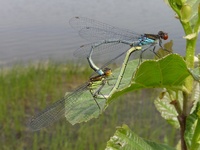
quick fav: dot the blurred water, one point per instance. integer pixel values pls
(39, 29)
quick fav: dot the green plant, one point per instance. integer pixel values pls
(25, 89)
(179, 102)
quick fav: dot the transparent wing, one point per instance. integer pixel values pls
(94, 30)
(79, 106)
(113, 49)
(55, 111)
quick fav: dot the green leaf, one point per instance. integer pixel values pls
(84, 108)
(169, 105)
(190, 128)
(168, 46)
(195, 96)
(125, 139)
(195, 18)
(195, 74)
(167, 110)
(168, 72)
(192, 132)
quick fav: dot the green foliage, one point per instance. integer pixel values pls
(167, 110)
(193, 123)
(125, 139)
(168, 72)
(179, 102)
(26, 90)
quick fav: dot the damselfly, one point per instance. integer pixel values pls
(79, 106)
(111, 39)
(84, 96)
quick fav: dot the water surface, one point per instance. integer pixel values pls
(38, 30)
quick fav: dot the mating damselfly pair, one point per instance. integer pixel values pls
(89, 100)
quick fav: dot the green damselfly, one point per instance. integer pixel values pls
(85, 102)
(65, 105)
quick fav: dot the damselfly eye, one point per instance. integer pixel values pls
(107, 71)
(165, 36)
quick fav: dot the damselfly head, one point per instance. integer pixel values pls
(163, 35)
(107, 71)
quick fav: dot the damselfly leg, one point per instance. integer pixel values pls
(77, 106)
(109, 36)
(103, 79)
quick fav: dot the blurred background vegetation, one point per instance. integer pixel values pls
(27, 89)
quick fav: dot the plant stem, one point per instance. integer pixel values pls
(187, 97)
(182, 9)
(182, 122)
(189, 58)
